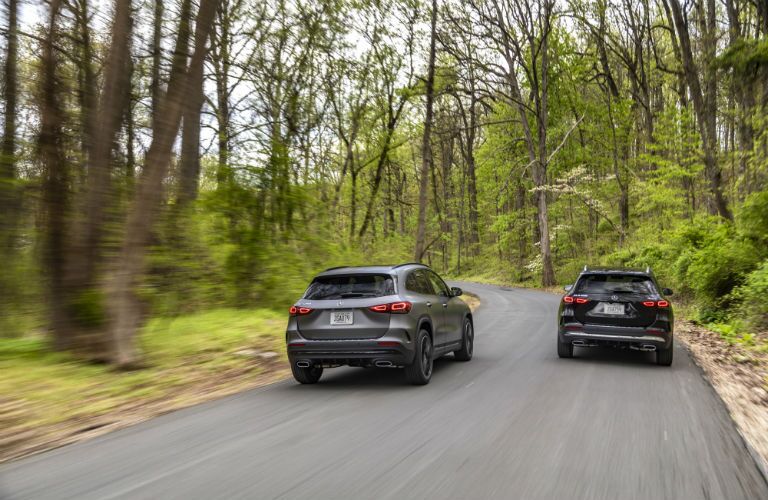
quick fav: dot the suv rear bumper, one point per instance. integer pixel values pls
(603, 335)
(391, 348)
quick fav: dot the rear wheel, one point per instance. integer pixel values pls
(664, 357)
(420, 371)
(564, 350)
(468, 343)
(307, 375)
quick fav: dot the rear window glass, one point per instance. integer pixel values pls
(358, 285)
(615, 283)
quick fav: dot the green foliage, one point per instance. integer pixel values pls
(745, 56)
(753, 218)
(751, 297)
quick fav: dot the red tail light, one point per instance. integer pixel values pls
(392, 307)
(578, 300)
(660, 303)
(299, 311)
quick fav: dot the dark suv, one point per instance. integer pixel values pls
(377, 316)
(616, 307)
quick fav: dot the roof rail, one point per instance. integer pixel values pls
(585, 267)
(409, 264)
(648, 269)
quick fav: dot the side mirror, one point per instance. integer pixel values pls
(456, 291)
(567, 288)
(666, 291)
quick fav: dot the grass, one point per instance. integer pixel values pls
(40, 388)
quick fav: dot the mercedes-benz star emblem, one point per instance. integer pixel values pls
(613, 297)
(341, 303)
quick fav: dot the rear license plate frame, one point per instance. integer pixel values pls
(342, 318)
(614, 309)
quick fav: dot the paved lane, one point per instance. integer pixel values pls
(515, 422)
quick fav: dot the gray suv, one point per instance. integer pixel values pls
(378, 316)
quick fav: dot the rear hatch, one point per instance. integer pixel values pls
(615, 300)
(340, 307)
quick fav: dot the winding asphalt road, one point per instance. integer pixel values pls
(515, 422)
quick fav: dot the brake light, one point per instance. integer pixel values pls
(392, 307)
(578, 300)
(660, 303)
(299, 311)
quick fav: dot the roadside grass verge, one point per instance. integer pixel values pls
(49, 398)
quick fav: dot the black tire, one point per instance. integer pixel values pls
(307, 375)
(564, 350)
(468, 343)
(664, 357)
(420, 371)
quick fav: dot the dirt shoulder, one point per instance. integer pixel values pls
(739, 374)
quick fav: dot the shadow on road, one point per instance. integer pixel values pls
(345, 377)
(610, 356)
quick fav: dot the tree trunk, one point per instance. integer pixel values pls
(189, 168)
(124, 305)
(426, 145)
(704, 105)
(87, 251)
(8, 195)
(55, 186)
(9, 202)
(157, 41)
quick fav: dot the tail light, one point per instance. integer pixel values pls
(578, 300)
(658, 303)
(392, 307)
(299, 311)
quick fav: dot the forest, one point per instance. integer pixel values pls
(165, 157)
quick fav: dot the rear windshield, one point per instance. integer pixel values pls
(615, 283)
(358, 285)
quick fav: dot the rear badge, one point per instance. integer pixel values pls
(340, 303)
(614, 297)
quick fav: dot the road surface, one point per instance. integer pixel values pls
(515, 422)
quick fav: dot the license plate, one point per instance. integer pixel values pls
(617, 309)
(341, 317)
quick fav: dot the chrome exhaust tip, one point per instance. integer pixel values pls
(383, 364)
(643, 347)
(303, 364)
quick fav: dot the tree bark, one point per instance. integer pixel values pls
(189, 168)
(8, 195)
(87, 252)
(157, 40)
(426, 145)
(124, 304)
(55, 186)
